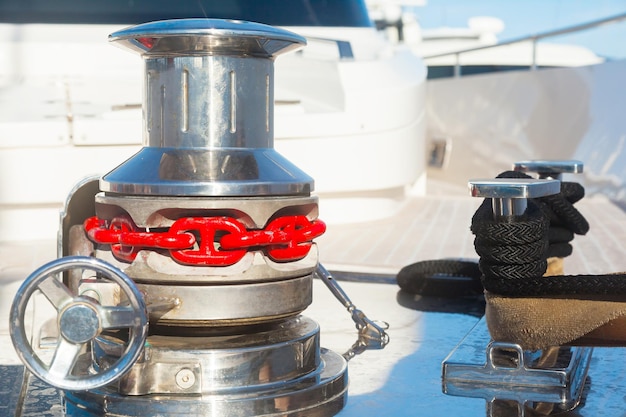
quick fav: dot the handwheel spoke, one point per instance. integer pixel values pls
(118, 317)
(64, 358)
(56, 292)
(80, 320)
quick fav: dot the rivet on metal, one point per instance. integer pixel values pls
(185, 378)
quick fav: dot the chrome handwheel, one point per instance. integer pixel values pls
(80, 320)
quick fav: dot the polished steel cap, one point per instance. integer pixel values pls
(509, 195)
(513, 188)
(548, 168)
(207, 36)
(208, 111)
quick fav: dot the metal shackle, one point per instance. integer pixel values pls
(510, 195)
(550, 169)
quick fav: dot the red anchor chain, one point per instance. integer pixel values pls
(209, 241)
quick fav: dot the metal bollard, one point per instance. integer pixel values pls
(510, 195)
(502, 372)
(550, 169)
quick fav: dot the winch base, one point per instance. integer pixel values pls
(325, 394)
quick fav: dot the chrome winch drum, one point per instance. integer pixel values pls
(185, 276)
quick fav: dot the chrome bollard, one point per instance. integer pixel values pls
(549, 169)
(509, 195)
(503, 372)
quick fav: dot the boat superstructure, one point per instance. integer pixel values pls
(78, 102)
(476, 48)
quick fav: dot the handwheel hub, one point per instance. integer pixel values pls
(79, 323)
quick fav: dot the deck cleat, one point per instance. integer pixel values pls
(550, 169)
(501, 371)
(208, 231)
(509, 196)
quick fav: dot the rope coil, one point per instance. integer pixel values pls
(519, 251)
(514, 251)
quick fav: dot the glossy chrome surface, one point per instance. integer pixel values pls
(80, 320)
(323, 394)
(201, 36)
(192, 172)
(225, 337)
(513, 188)
(264, 357)
(509, 194)
(208, 111)
(157, 212)
(550, 169)
(481, 368)
(79, 205)
(229, 303)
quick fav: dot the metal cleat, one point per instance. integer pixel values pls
(510, 195)
(550, 169)
(504, 374)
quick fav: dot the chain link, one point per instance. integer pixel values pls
(208, 241)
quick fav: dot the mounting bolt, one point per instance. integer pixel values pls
(185, 378)
(550, 169)
(510, 195)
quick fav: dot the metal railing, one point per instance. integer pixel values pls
(533, 38)
(343, 47)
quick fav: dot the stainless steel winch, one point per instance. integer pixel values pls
(185, 273)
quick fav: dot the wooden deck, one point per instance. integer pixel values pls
(435, 227)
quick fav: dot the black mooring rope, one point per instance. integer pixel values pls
(441, 278)
(520, 248)
(513, 253)
(565, 219)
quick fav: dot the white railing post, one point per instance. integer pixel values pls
(533, 65)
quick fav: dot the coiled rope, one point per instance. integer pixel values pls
(514, 252)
